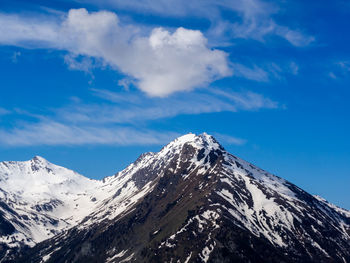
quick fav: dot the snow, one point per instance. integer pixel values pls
(210, 215)
(342, 211)
(155, 232)
(37, 184)
(206, 220)
(127, 259)
(204, 255)
(188, 258)
(46, 258)
(197, 141)
(269, 180)
(118, 255)
(315, 244)
(250, 216)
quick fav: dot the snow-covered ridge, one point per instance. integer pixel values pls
(38, 180)
(52, 198)
(332, 206)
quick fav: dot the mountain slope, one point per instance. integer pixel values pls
(39, 200)
(195, 202)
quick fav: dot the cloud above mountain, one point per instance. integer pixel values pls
(159, 64)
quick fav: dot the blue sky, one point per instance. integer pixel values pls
(92, 84)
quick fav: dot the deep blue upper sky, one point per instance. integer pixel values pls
(92, 84)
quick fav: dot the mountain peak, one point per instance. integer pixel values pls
(38, 163)
(202, 140)
(39, 159)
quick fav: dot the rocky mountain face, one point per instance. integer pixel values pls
(191, 202)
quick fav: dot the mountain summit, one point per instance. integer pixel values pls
(190, 202)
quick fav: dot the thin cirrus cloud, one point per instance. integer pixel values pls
(118, 121)
(49, 132)
(54, 133)
(252, 73)
(255, 17)
(4, 111)
(340, 69)
(229, 139)
(159, 63)
(128, 108)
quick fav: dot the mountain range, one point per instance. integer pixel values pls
(191, 202)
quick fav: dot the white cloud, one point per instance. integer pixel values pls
(177, 62)
(160, 63)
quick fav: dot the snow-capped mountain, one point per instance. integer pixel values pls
(191, 202)
(41, 199)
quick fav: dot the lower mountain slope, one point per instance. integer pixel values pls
(195, 202)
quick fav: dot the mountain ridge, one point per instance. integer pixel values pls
(193, 189)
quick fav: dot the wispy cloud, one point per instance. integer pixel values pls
(294, 68)
(81, 63)
(4, 111)
(28, 31)
(55, 133)
(15, 56)
(257, 23)
(252, 73)
(255, 17)
(118, 120)
(248, 100)
(295, 37)
(340, 69)
(129, 108)
(228, 139)
(332, 75)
